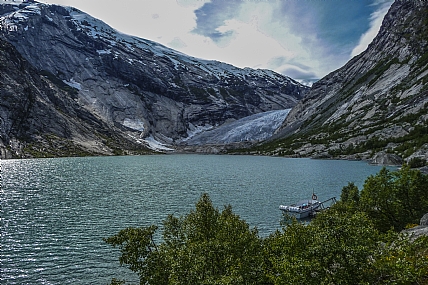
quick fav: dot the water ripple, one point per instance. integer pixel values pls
(55, 212)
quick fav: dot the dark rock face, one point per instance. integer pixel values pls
(378, 100)
(137, 85)
(37, 118)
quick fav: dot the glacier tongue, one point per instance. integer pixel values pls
(249, 129)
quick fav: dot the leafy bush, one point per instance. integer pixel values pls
(332, 249)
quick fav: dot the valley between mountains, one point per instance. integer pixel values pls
(70, 85)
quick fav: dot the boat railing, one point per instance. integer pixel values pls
(330, 202)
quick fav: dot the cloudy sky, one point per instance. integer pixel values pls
(304, 39)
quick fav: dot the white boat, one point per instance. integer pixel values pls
(302, 209)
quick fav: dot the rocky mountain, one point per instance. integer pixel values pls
(37, 118)
(137, 88)
(376, 103)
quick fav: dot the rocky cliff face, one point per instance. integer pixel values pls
(377, 102)
(39, 119)
(140, 88)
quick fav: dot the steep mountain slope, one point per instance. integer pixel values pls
(141, 88)
(377, 102)
(39, 119)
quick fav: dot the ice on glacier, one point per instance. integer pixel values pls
(249, 129)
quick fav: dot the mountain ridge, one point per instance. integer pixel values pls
(139, 88)
(375, 103)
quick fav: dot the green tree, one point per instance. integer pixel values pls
(411, 193)
(139, 253)
(350, 243)
(350, 194)
(206, 246)
(349, 199)
(395, 199)
(332, 249)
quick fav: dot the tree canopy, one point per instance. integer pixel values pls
(392, 199)
(356, 241)
(206, 246)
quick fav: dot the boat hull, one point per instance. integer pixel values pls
(302, 210)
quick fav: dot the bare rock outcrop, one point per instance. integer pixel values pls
(420, 230)
(383, 158)
(38, 119)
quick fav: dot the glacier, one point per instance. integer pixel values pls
(253, 128)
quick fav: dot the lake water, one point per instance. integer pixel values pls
(55, 212)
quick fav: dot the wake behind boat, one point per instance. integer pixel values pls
(306, 208)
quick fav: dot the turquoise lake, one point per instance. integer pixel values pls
(55, 212)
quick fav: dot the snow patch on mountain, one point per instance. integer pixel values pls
(146, 87)
(21, 15)
(134, 124)
(195, 130)
(73, 83)
(156, 145)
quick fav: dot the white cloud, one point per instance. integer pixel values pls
(158, 20)
(256, 34)
(250, 47)
(254, 39)
(376, 19)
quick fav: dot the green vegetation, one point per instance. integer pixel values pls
(417, 162)
(356, 241)
(376, 72)
(339, 132)
(392, 200)
(207, 246)
(54, 146)
(392, 112)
